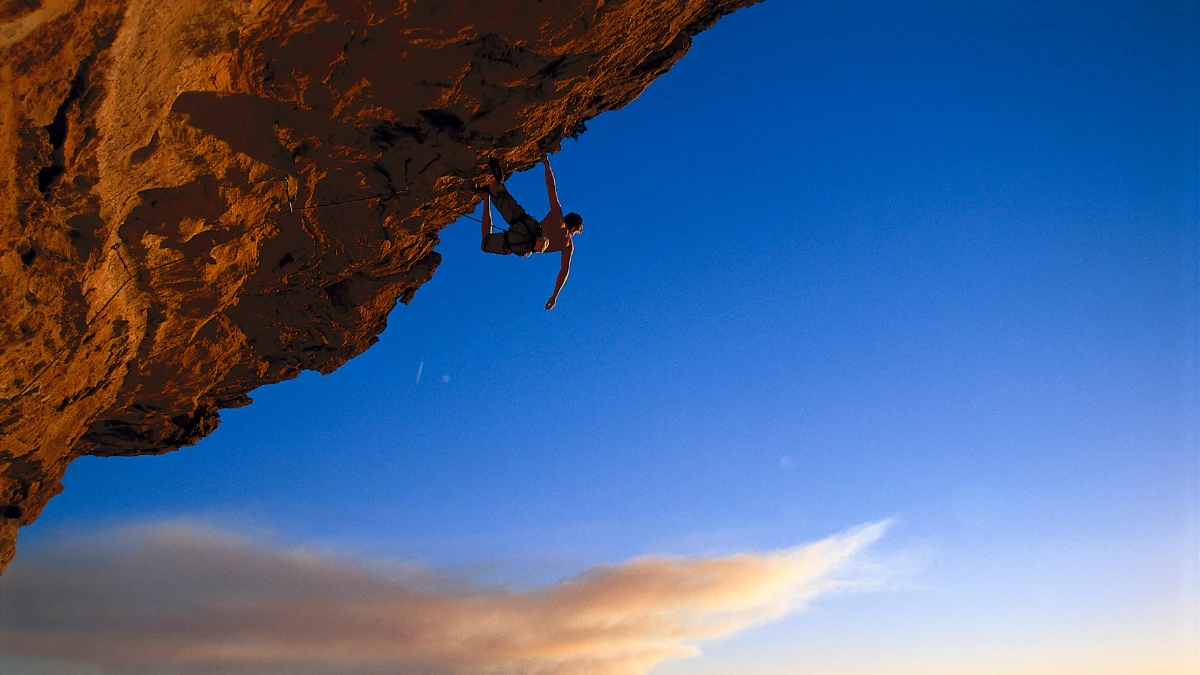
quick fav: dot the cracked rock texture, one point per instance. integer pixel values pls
(152, 269)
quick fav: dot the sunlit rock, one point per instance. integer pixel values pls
(199, 198)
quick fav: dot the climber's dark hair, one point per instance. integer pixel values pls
(574, 222)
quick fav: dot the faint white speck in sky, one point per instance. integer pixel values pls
(445, 378)
(787, 462)
(420, 366)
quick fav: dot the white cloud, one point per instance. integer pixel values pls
(172, 600)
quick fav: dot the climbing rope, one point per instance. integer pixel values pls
(133, 275)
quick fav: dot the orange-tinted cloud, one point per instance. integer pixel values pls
(182, 601)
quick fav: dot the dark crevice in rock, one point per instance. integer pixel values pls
(57, 129)
(27, 254)
(446, 122)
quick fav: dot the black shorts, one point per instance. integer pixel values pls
(520, 239)
(523, 229)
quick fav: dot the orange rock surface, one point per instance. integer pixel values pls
(152, 269)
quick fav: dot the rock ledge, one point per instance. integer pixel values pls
(153, 269)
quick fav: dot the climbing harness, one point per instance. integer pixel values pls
(530, 240)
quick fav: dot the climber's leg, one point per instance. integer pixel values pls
(506, 205)
(495, 243)
(492, 242)
(487, 216)
(522, 228)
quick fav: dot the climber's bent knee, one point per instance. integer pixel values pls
(494, 243)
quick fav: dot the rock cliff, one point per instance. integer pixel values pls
(199, 198)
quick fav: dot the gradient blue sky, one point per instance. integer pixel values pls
(930, 261)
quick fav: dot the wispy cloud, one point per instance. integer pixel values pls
(178, 600)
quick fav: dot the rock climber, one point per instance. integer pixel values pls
(527, 235)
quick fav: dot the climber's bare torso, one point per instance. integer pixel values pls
(554, 232)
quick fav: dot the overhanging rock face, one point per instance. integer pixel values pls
(153, 271)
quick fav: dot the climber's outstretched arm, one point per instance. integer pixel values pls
(551, 191)
(563, 271)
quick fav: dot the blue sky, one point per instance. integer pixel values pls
(934, 262)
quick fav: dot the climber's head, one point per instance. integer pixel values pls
(574, 222)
